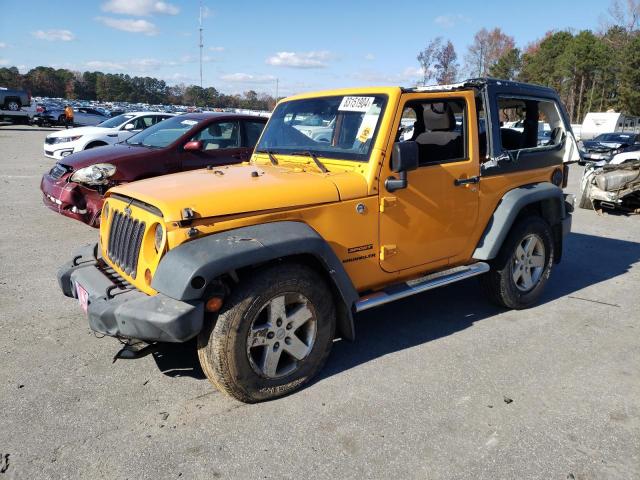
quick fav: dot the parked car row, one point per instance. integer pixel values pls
(62, 143)
(138, 146)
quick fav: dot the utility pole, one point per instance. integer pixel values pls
(201, 44)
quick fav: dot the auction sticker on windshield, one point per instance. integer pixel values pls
(189, 122)
(356, 104)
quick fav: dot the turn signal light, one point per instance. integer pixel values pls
(213, 304)
(147, 276)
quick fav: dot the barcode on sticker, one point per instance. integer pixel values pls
(356, 104)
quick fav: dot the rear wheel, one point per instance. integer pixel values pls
(273, 335)
(12, 104)
(523, 265)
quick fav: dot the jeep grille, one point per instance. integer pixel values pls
(125, 240)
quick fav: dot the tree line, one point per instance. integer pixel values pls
(107, 87)
(592, 71)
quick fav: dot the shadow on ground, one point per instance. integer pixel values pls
(588, 260)
(27, 129)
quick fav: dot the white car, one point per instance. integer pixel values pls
(117, 129)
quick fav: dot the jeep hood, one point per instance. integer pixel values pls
(236, 189)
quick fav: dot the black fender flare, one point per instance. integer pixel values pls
(220, 253)
(508, 209)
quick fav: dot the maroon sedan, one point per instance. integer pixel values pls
(76, 185)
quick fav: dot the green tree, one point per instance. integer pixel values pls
(508, 65)
(630, 79)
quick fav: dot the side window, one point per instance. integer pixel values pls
(219, 135)
(159, 118)
(439, 127)
(527, 123)
(145, 122)
(252, 132)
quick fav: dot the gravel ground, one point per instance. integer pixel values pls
(440, 386)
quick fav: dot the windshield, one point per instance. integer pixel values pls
(334, 127)
(163, 133)
(614, 137)
(116, 121)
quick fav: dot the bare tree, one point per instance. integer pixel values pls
(486, 50)
(438, 62)
(446, 66)
(427, 59)
(626, 14)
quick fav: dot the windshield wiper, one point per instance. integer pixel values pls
(272, 157)
(314, 157)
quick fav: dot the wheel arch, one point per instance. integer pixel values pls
(243, 249)
(9, 98)
(95, 143)
(543, 199)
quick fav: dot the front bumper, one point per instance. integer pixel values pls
(117, 309)
(72, 200)
(58, 151)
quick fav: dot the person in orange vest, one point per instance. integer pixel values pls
(68, 116)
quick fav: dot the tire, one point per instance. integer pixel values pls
(12, 104)
(506, 283)
(244, 351)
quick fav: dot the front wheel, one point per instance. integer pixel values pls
(273, 335)
(520, 271)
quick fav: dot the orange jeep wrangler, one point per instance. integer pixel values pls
(352, 199)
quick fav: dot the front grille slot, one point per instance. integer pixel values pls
(125, 241)
(58, 171)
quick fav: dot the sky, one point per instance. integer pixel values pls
(249, 44)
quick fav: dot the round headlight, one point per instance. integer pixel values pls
(157, 240)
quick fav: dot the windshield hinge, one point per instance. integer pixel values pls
(387, 251)
(387, 202)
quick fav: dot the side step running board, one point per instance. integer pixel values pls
(420, 285)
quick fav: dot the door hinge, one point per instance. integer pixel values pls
(387, 202)
(386, 251)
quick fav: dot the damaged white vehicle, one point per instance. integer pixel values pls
(613, 186)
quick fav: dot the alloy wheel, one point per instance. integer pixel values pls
(281, 335)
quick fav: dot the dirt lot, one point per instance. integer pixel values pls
(424, 392)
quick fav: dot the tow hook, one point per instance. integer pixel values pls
(133, 351)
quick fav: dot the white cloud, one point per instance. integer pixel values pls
(54, 35)
(450, 21)
(409, 76)
(104, 66)
(3, 45)
(247, 78)
(370, 56)
(300, 59)
(140, 8)
(129, 25)
(4, 61)
(216, 49)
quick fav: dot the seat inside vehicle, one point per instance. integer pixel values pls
(441, 138)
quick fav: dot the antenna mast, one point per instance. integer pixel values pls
(201, 44)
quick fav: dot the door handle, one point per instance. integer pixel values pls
(466, 181)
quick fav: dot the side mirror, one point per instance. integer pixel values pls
(193, 146)
(129, 126)
(404, 158)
